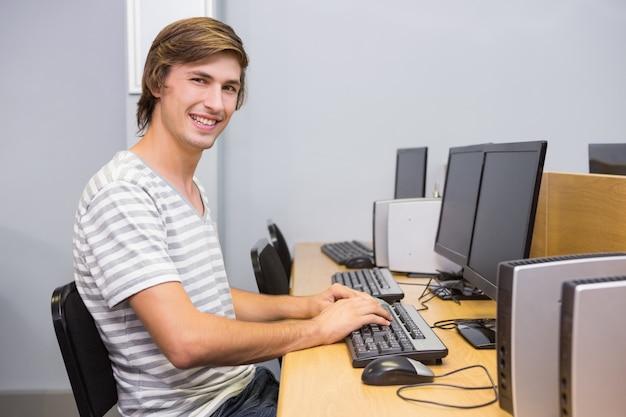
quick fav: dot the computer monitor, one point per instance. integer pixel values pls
(505, 213)
(607, 158)
(458, 205)
(411, 172)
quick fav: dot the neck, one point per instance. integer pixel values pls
(165, 158)
(177, 167)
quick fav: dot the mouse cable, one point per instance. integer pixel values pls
(493, 387)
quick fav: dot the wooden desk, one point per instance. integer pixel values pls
(321, 381)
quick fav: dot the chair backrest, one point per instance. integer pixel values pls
(279, 242)
(268, 269)
(86, 358)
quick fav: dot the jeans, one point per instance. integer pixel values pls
(258, 399)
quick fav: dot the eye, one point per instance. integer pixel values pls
(198, 80)
(231, 88)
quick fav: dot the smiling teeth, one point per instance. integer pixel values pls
(203, 121)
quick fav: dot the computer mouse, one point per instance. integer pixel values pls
(360, 262)
(396, 370)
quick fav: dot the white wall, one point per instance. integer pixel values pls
(337, 86)
(331, 82)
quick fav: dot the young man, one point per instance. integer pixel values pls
(148, 263)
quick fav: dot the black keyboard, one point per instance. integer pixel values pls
(342, 252)
(377, 282)
(408, 335)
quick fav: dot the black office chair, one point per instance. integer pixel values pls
(279, 242)
(86, 358)
(268, 269)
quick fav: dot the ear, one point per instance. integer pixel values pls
(156, 93)
(154, 89)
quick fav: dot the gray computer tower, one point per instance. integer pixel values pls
(593, 345)
(528, 321)
(404, 235)
(380, 215)
(411, 232)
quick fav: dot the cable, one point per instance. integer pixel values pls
(445, 324)
(424, 293)
(449, 324)
(436, 291)
(493, 387)
(445, 293)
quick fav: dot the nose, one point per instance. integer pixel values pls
(213, 99)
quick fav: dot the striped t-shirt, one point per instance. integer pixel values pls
(132, 231)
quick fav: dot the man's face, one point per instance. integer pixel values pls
(198, 100)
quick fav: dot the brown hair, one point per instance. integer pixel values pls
(186, 41)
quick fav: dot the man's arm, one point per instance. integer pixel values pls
(190, 338)
(251, 306)
(260, 307)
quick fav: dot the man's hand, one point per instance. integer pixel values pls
(347, 314)
(332, 294)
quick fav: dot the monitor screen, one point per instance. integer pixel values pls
(505, 213)
(607, 158)
(411, 172)
(458, 205)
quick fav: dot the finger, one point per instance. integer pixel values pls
(339, 291)
(374, 319)
(369, 305)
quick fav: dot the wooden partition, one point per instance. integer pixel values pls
(580, 213)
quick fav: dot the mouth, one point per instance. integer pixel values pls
(203, 121)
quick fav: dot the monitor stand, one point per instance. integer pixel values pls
(455, 289)
(480, 333)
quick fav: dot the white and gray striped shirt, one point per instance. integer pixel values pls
(133, 230)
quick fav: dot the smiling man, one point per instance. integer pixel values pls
(148, 263)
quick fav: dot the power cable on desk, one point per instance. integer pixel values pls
(423, 295)
(493, 387)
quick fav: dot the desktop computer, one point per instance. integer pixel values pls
(502, 225)
(411, 229)
(380, 217)
(593, 342)
(411, 166)
(528, 314)
(456, 221)
(607, 158)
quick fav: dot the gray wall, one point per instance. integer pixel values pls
(337, 86)
(331, 83)
(62, 112)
